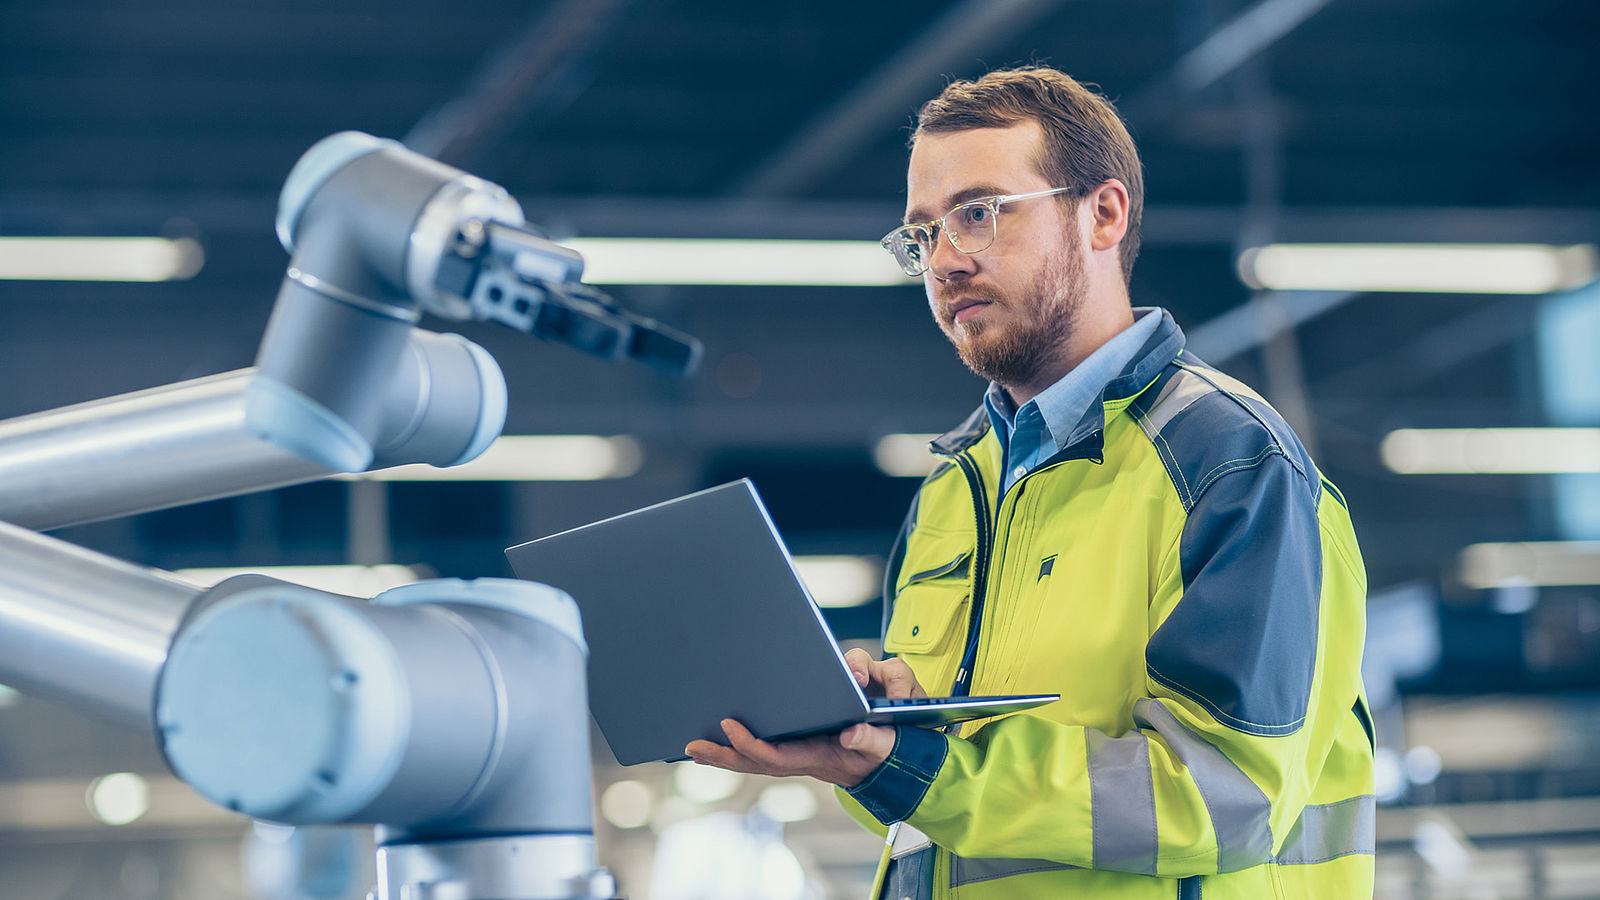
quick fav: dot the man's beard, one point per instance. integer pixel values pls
(1036, 329)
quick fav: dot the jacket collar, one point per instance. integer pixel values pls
(1157, 353)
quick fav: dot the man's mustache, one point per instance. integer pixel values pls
(948, 294)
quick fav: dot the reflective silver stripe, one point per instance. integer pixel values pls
(971, 871)
(910, 877)
(1330, 831)
(1177, 395)
(1122, 801)
(1238, 808)
(1229, 383)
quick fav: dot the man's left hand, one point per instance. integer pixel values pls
(843, 759)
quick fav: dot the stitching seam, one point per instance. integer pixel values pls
(1245, 725)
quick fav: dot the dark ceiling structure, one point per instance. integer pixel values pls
(1258, 120)
(1308, 120)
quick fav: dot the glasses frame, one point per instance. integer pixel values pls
(936, 228)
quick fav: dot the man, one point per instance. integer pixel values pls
(1119, 523)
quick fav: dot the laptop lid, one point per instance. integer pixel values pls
(693, 613)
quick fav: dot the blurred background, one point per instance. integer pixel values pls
(1455, 399)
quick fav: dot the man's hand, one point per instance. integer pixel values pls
(843, 759)
(890, 678)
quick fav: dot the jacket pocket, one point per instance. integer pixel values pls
(930, 608)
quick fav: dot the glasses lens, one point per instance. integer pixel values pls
(971, 227)
(909, 247)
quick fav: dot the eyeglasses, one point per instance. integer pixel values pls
(970, 227)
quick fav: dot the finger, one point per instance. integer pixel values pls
(710, 753)
(898, 680)
(724, 758)
(860, 663)
(748, 745)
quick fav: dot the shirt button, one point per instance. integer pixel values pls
(1019, 471)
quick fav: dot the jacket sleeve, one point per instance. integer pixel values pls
(1253, 658)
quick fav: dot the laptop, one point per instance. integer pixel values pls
(694, 613)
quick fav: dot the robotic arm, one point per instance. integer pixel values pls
(450, 714)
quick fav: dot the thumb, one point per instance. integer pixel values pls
(873, 741)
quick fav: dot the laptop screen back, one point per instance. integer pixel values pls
(693, 613)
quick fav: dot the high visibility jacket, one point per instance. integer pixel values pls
(1187, 581)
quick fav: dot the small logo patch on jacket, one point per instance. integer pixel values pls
(1045, 565)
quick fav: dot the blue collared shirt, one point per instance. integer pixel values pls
(1036, 432)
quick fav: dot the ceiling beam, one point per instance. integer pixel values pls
(538, 67)
(1221, 339)
(888, 95)
(1234, 43)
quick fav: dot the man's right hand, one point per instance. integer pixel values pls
(890, 678)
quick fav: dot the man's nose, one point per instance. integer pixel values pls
(946, 261)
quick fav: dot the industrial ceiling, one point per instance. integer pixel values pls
(1258, 120)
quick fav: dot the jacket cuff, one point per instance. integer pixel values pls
(896, 787)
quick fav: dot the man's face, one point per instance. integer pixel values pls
(1009, 310)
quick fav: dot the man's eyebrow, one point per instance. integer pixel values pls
(955, 200)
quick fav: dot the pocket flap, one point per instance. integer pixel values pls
(925, 614)
(943, 569)
(934, 554)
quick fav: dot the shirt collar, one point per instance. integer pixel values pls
(1063, 404)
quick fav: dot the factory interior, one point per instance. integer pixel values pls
(1453, 399)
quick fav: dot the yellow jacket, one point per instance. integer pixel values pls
(1186, 580)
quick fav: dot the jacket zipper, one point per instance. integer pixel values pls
(984, 549)
(980, 570)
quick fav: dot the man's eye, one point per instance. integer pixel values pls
(976, 214)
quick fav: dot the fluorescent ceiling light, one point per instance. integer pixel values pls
(904, 455)
(1545, 563)
(543, 457)
(1418, 451)
(355, 581)
(743, 262)
(841, 580)
(1425, 268)
(100, 258)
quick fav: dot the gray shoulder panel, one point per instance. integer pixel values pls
(1205, 424)
(1242, 640)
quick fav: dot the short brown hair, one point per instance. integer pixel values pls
(1086, 142)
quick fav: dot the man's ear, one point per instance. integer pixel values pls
(1108, 214)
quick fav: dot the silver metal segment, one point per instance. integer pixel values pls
(313, 169)
(1238, 808)
(539, 867)
(459, 712)
(1122, 802)
(83, 628)
(188, 442)
(286, 704)
(495, 705)
(176, 444)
